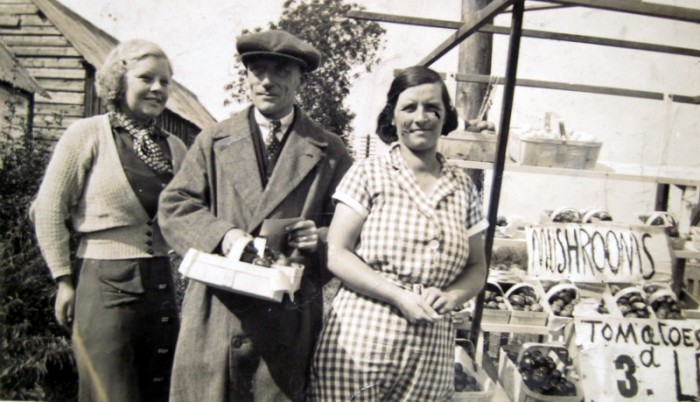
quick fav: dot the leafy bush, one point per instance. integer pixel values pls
(36, 362)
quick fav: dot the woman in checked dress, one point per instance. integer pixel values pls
(406, 243)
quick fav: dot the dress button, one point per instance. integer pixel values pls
(434, 244)
(150, 251)
(237, 342)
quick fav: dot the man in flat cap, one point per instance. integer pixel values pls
(269, 161)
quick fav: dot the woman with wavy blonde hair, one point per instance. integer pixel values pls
(103, 182)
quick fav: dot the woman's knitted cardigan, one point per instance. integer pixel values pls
(85, 185)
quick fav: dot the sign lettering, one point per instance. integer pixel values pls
(598, 252)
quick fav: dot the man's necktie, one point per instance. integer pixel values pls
(273, 144)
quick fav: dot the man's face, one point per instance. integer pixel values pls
(273, 85)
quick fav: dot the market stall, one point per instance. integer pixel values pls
(595, 308)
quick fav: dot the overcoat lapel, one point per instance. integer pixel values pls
(240, 166)
(301, 153)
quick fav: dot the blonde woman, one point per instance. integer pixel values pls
(103, 180)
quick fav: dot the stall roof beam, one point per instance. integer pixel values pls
(639, 8)
(632, 93)
(479, 19)
(530, 33)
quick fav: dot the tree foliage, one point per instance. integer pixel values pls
(349, 47)
(36, 362)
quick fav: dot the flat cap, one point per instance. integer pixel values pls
(278, 43)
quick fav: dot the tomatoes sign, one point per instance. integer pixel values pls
(639, 360)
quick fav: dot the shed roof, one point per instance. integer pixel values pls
(94, 44)
(14, 74)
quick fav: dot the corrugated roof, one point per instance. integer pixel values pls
(94, 44)
(14, 74)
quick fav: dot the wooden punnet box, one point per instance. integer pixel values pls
(229, 273)
(553, 152)
(465, 145)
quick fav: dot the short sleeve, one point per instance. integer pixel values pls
(475, 221)
(353, 189)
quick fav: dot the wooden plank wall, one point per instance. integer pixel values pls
(51, 60)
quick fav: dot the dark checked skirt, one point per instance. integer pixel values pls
(125, 329)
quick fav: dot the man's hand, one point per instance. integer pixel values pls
(230, 238)
(303, 235)
(65, 301)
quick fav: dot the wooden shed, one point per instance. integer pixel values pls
(17, 89)
(61, 51)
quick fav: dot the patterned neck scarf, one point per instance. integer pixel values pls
(144, 145)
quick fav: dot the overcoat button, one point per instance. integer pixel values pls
(164, 319)
(281, 348)
(158, 379)
(149, 233)
(162, 286)
(162, 351)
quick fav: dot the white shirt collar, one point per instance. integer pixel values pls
(265, 124)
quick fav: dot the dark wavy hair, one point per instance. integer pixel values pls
(407, 78)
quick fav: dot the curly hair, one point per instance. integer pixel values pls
(109, 79)
(404, 79)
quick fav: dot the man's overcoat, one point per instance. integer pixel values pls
(234, 347)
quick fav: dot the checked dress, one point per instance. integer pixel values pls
(368, 351)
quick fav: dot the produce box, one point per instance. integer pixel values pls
(465, 145)
(539, 373)
(526, 299)
(561, 300)
(496, 309)
(472, 384)
(552, 152)
(229, 273)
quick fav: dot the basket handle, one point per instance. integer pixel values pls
(240, 244)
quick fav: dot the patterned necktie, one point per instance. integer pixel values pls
(144, 145)
(272, 144)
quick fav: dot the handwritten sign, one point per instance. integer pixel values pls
(626, 373)
(598, 252)
(638, 359)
